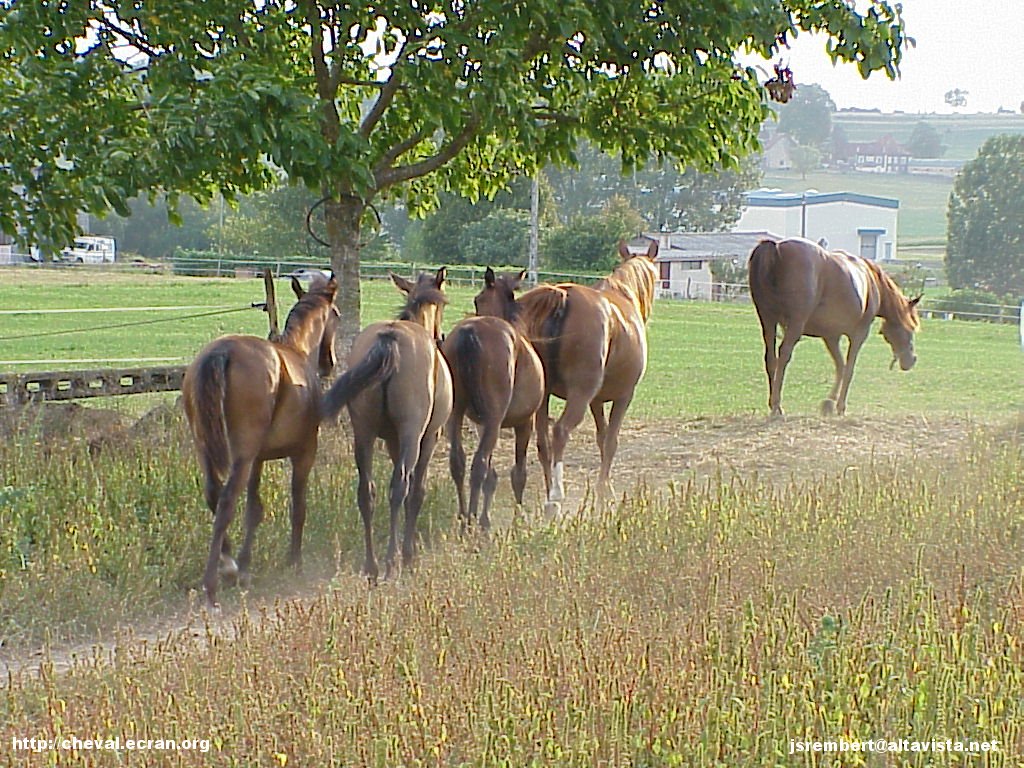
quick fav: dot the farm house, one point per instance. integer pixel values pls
(861, 224)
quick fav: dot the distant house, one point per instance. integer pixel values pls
(861, 224)
(885, 155)
(778, 153)
(684, 259)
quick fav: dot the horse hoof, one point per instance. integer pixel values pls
(228, 568)
(244, 579)
(828, 407)
(552, 510)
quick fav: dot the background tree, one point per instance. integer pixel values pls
(985, 236)
(957, 97)
(808, 116)
(805, 158)
(925, 141)
(588, 243)
(360, 102)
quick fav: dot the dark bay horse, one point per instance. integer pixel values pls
(397, 388)
(248, 400)
(829, 294)
(593, 345)
(498, 382)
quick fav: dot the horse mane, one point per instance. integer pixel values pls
(894, 305)
(309, 303)
(421, 297)
(537, 306)
(633, 278)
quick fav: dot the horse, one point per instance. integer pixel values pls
(592, 342)
(498, 382)
(398, 388)
(248, 400)
(811, 291)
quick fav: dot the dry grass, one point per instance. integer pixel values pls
(704, 625)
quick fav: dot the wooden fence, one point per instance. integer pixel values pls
(21, 388)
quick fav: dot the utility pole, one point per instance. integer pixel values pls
(534, 229)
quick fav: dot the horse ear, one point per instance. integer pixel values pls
(624, 253)
(442, 275)
(489, 277)
(332, 285)
(297, 288)
(914, 301)
(515, 281)
(403, 285)
(652, 250)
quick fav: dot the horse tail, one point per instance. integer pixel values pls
(762, 264)
(378, 365)
(545, 310)
(466, 368)
(209, 426)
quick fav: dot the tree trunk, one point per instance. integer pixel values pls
(344, 218)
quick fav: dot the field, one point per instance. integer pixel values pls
(963, 135)
(755, 582)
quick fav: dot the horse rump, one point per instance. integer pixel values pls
(379, 365)
(762, 265)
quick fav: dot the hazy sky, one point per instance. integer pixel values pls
(975, 45)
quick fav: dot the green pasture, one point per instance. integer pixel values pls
(705, 359)
(963, 135)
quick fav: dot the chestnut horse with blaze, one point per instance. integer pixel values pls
(592, 342)
(249, 400)
(810, 291)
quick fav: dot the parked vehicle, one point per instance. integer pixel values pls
(91, 249)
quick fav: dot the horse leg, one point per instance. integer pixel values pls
(405, 452)
(600, 426)
(575, 409)
(253, 517)
(237, 477)
(481, 469)
(857, 338)
(611, 444)
(771, 360)
(828, 406)
(417, 492)
(544, 441)
(302, 465)
(457, 462)
(523, 434)
(789, 340)
(490, 486)
(212, 489)
(367, 500)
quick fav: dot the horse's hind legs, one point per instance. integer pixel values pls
(253, 517)
(302, 465)
(226, 501)
(367, 500)
(457, 465)
(523, 434)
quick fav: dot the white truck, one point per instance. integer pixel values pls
(90, 249)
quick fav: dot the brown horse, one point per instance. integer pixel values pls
(397, 388)
(829, 294)
(593, 345)
(248, 400)
(498, 381)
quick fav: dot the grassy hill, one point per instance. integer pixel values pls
(963, 135)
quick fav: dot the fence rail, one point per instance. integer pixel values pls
(21, 388)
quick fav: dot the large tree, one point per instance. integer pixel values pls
(102, 99)
(807, 117)
(985, 237)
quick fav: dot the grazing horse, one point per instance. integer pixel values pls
(248, 400)
(593, 345)
(397, 388)
(810, 291)
(498, 381)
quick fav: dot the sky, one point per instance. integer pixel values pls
(974, 45)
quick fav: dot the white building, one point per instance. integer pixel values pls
(685, 258)
(861, 224)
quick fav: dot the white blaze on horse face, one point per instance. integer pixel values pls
(557, 486)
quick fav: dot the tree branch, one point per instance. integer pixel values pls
(380, 106)
(132, 38)
(389, 157)
(389, 176)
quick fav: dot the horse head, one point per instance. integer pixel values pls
(425, 299)
(498, 298)
(899, 332)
